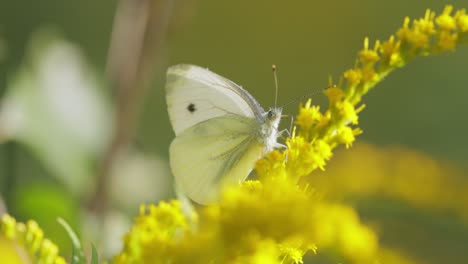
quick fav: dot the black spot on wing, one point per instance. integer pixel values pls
(191, 108)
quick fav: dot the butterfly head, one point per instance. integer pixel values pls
(273, 115)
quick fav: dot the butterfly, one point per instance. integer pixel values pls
(220, 131)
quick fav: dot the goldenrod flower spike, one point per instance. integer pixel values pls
(30, 237)
(320, 132)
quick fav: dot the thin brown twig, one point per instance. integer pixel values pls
(140, 28)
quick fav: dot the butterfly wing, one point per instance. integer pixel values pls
(215, 122)
(213, 154)
(195, 94)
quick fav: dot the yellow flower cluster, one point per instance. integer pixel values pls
(278, 218)
(153, 233)
(275, 210)
(270, 222)
(240, 229)
(393, 172)
(30, 237)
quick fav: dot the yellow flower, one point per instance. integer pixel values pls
(393, 172)
(391, 56)
(368, 56)
(346, 136)
(31, 238)
(309, 116)
(413, 36)
(445, 21)
(8, 226)
(348, 113)
(426, 24)
(334, 94)
(340, 227)
(353, 76)
(304, 157)
(447, 41)
(462, 20)
(272, 165)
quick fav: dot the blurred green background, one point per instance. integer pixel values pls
(421, 106)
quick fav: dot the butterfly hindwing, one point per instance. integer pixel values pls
(213, 154)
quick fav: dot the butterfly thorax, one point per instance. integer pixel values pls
(268, 132)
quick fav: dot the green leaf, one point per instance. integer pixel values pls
(78, 254)
(94, 256)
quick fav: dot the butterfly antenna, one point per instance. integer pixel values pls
(273, 68)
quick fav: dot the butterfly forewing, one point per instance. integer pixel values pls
(195, 94)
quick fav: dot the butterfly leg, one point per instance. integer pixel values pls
(289, 134)
(279, 145)
(287, 131)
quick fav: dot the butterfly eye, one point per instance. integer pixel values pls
(270, 114)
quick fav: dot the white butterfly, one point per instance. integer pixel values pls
(221, 131)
